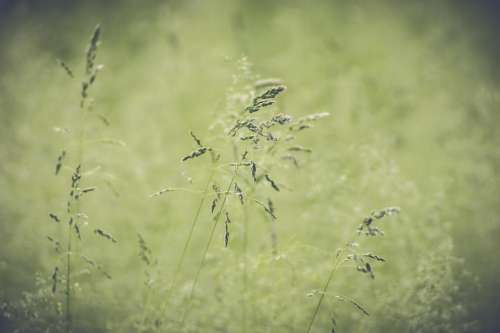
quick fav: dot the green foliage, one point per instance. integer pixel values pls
(38, 311)
(413, 114)
(435, 300)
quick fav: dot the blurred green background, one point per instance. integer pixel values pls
(412, 88)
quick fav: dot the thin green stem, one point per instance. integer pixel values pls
(145, 309)
(274, 236)
(338, 261)
(74, 212)
(68, 281)
(190, 235)
(245, 267)
(209, 242)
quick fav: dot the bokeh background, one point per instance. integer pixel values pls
(412, 88)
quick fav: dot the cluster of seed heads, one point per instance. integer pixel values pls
(74, 190)
(144, 251)
(367, 225)
(365, 267)
(363, 262)
(281, 118)
(249, 128)
(265, 99)
(198, 152)
(91, 69)
(60, 160)
(255, 129)
(258, 135)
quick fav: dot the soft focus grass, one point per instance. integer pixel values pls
(414, 114)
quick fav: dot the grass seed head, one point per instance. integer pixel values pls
(77, 231)
(60, 159)
(198, 152)
(55, 279)
(272, 182)
(281, 119)
(265, 99)
(92, 50)
(217, 190)
(54, 217)
(253, 169)
(226, 230)
(367, 225)
(88, 260)
(104, 234)
(66, 68)
(195, 138)
(238, 192)
(144, 251)
(214, 205)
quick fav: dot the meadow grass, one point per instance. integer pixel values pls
(241, 190)
(73, 216)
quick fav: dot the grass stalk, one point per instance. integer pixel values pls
(189, 237)
(338, 261)
(245, 269)
(209, 242)
(75, 212)
(68, 282)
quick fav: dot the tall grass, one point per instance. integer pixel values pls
(250, 139)
(412, 124)
(362, 262)
(74, 216)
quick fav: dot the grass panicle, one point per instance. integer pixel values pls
(349, 253)
(74, 216)
(257, 142)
